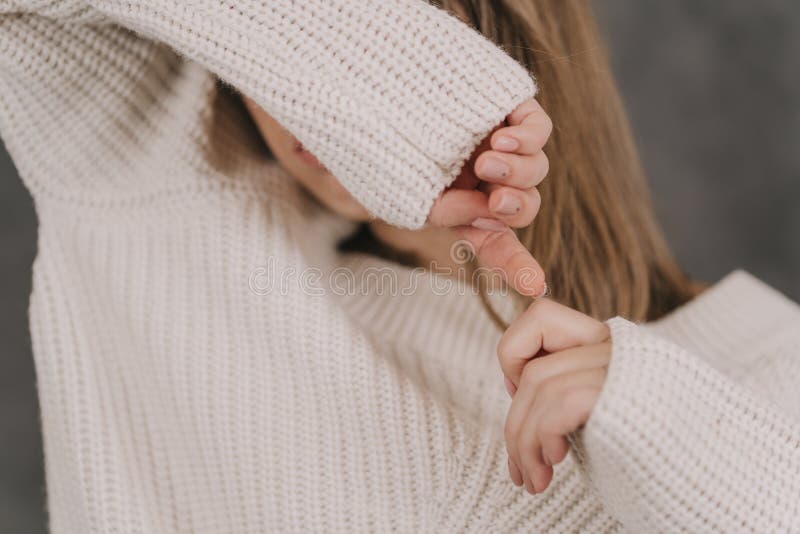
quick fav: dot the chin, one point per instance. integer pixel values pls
(341, 202)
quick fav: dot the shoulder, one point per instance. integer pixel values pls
(735, 318)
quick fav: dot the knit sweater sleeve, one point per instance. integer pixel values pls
(392, 96)
(676, 444)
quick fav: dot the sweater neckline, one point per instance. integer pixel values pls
(726, 323)
(399, 300)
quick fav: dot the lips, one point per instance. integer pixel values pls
(306, 156)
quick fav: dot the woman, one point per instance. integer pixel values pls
(183, 389)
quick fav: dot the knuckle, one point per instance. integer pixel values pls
(535, 200)
(545, 166)
(538, 309)
(539, 138)
(504, 349)
(545, 121)
(522, 111)
(547, 125)
(532, 372)
(490, 242)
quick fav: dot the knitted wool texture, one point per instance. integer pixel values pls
(189, 382)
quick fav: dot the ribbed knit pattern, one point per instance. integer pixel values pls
(393, 93)
(181, 393)
(684, 443)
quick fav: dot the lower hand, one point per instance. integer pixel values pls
(554, 360)
(497, 191)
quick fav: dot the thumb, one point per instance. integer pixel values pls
(457, 207)
(501, 250)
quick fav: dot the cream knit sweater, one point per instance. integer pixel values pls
(182, 390)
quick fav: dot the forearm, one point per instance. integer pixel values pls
(391, 96)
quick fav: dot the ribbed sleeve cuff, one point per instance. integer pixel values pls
(673, 444)
(391, 96)
(416, 90)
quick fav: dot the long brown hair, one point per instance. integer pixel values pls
(596, 236)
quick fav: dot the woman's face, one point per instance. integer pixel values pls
(304, 167)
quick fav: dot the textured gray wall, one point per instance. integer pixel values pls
(713, 89)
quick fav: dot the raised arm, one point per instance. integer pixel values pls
(392, 96)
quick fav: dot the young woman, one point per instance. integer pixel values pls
(210, 358)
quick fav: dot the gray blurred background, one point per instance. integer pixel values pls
(713, 90)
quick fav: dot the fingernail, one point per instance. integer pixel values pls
(547, 460)
(494, 168)
(492, 225)
(508, 144)
(509, 205)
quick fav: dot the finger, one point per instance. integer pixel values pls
(457, 207)
(514, 207)
(545, 326)
(467, 179)
(566, 416)
(560, 406)
(523, 139)
(514, 170)
(543, 368)
(514, 473)
(515, 421)
(501, 251)
(529, 112)
(536, 473)
(554, 449)
(532, 118)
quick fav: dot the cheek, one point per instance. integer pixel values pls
(304, 168)
(320, 183)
